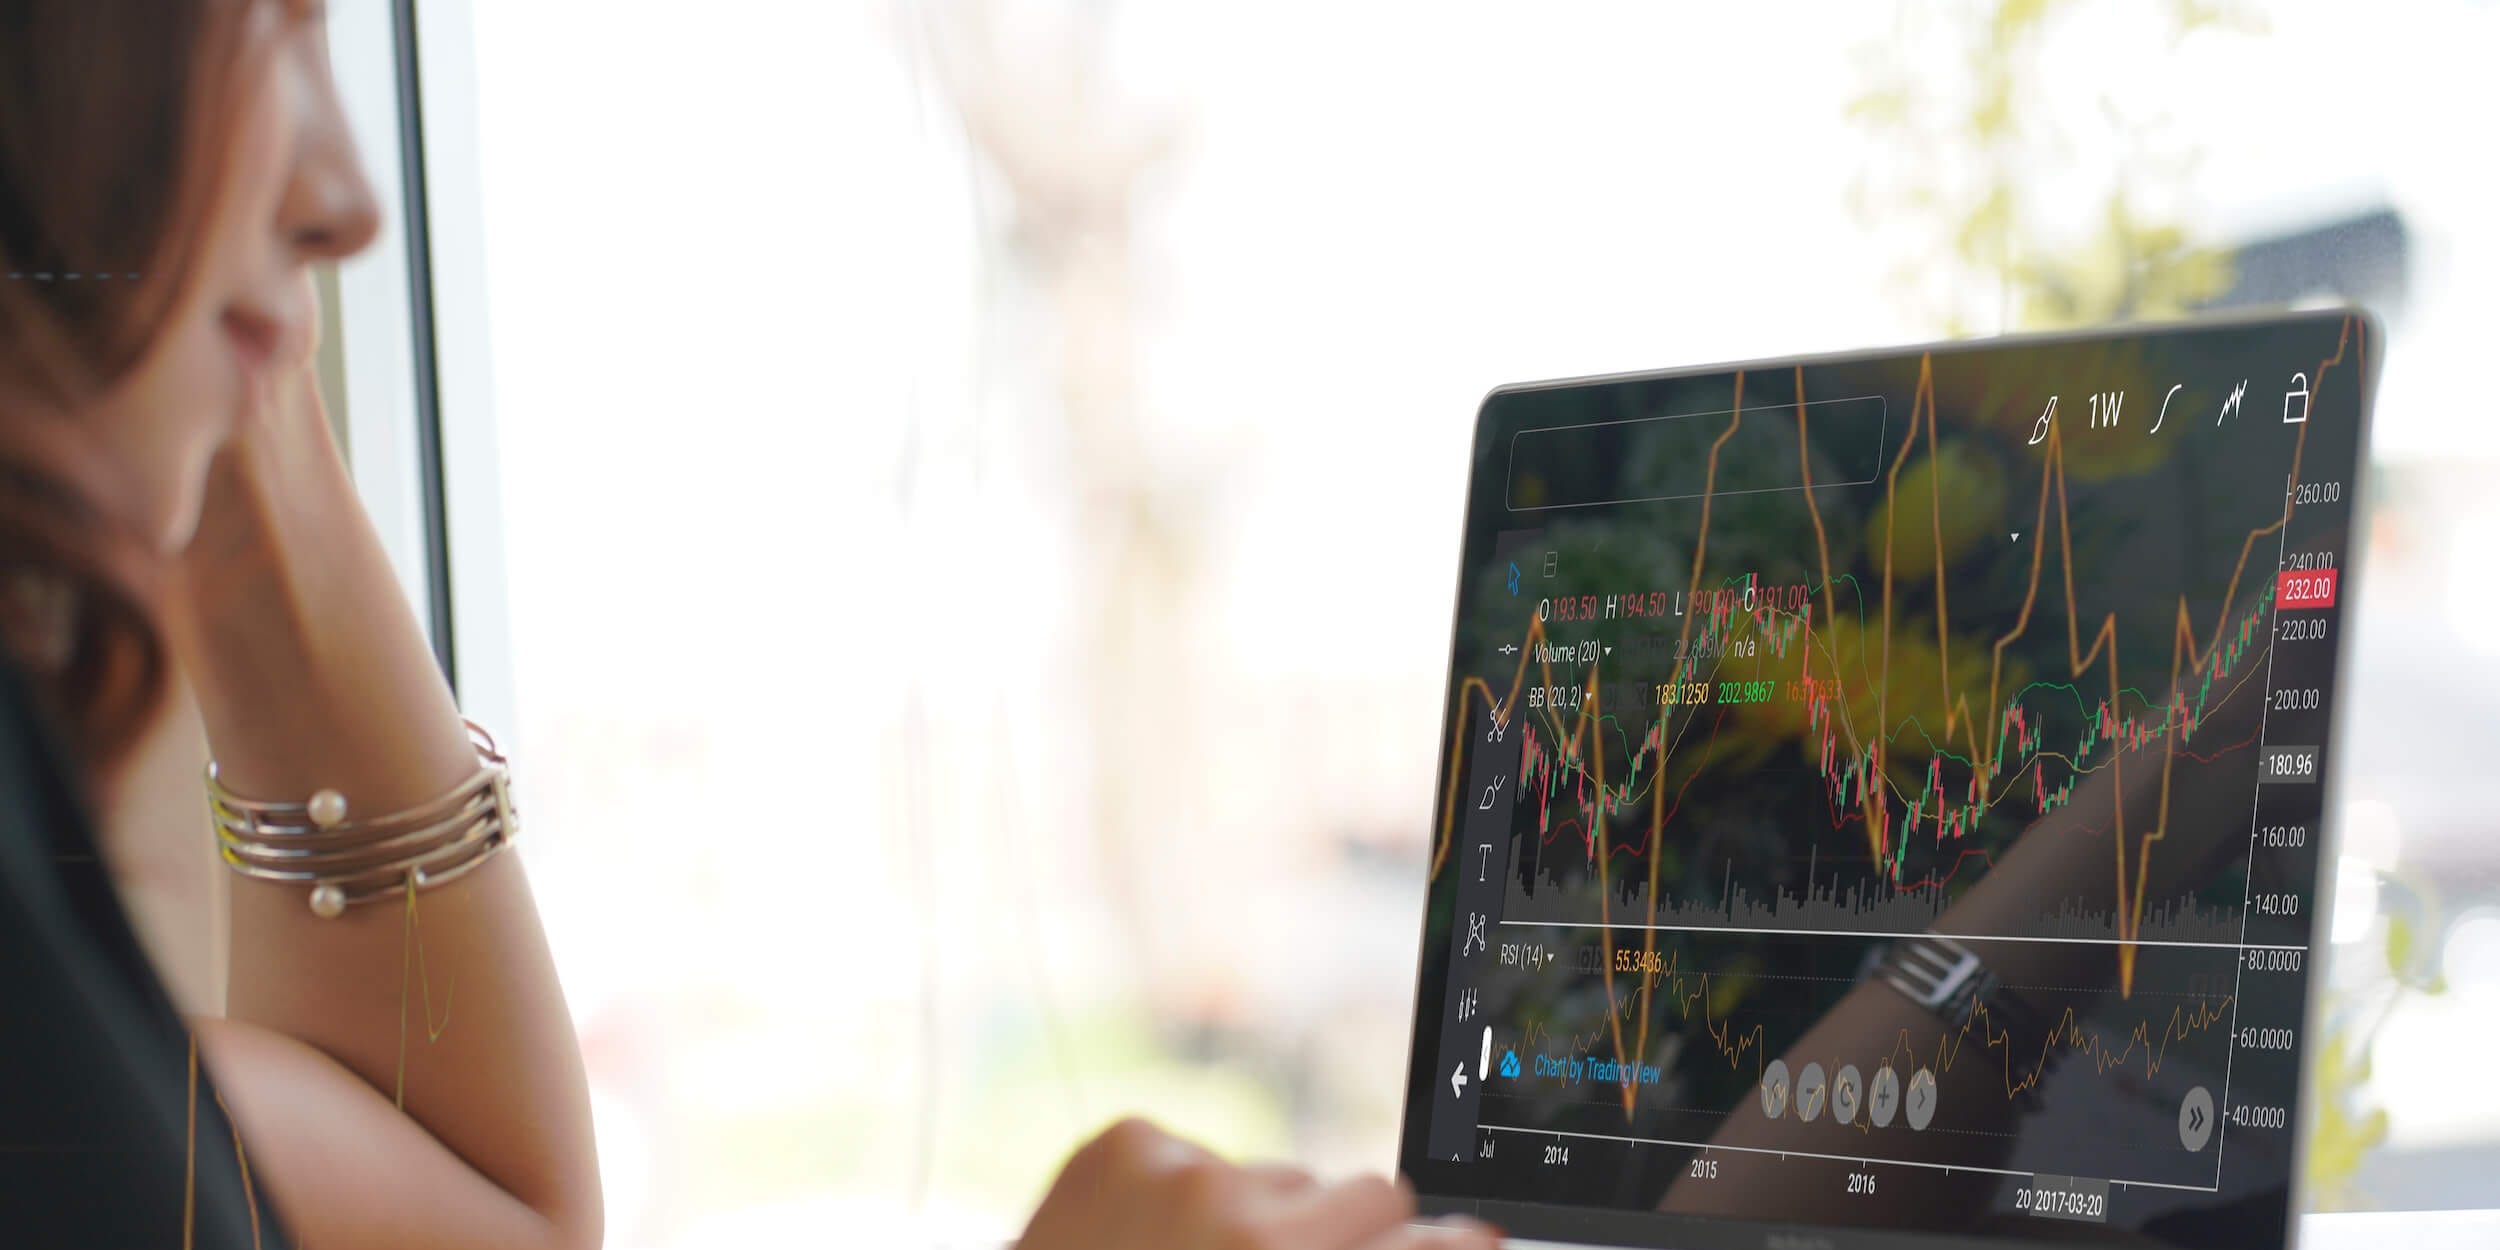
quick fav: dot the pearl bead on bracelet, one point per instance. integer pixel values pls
(327, 809)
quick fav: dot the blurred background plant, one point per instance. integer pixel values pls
(2347, 1119)
(1952, 171)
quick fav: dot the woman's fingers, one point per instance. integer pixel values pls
(1136, 1187)
(1278, 1179)
(1347, 1214)
(1447, 1234)
(1108, 1192)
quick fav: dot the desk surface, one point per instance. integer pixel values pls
(2403, 1230)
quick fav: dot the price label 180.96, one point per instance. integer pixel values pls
(2288, 765)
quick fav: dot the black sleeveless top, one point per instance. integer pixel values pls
(110, 1138)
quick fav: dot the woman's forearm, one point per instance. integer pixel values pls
(168, 876)
(312, 673)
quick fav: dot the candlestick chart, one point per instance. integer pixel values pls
(1591, 796)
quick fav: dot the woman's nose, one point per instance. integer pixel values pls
(330, 212)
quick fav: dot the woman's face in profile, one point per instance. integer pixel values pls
(288, 193)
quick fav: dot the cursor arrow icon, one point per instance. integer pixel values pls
(1458, 1080)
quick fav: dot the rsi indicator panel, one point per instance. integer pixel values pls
(1770, 685)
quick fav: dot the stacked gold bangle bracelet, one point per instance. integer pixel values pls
(345, 861)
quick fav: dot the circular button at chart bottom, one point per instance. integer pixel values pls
(1920, 1101)
(1845, 1091)
(2196, 1119)
(1775, 1089)
(1883, 1096)
(1810, 1093)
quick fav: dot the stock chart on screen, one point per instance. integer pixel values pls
(1770, 683)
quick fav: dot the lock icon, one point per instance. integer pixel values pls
(2296, 400)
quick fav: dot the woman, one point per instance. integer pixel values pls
(175, 516)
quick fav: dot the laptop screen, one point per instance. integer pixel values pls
(1881, 797)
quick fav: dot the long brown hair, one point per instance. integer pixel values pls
(109, 110)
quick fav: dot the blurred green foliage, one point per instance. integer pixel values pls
(1969, 181)
(2345, 1122)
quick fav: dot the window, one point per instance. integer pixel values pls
(860, 451)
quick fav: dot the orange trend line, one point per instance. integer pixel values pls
(412, 957)
(1805, 479)
(251, 1201)
(1658, 787)
(2184, 1022)
(1732, 1046)
(2185, 653)
(191, 1144)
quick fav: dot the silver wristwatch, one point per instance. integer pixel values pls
(1955, 985)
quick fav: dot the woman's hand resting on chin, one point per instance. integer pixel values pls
(1136, 1187)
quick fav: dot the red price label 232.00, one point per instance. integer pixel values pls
(2311, 589)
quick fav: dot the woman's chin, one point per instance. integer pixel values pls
(175, 535)
(169, 516)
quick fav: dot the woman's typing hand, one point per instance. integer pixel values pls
(1136, 1187)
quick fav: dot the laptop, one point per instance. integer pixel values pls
(1883, 796)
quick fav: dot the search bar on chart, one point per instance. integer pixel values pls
(1652, 459)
